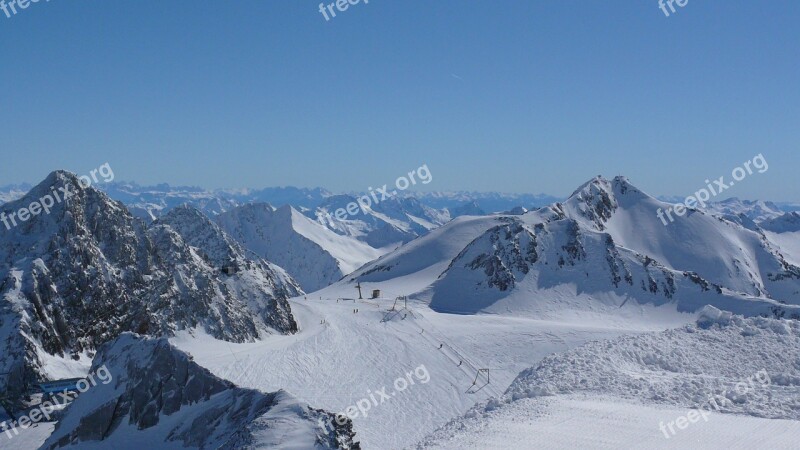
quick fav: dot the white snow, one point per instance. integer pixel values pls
(788, 243)
(570, 422)
(334, 364)
(27, 438)
(630, 392)
(312, 254)
(554, 379)
(350, 253)
(720, 251)
(757, 210)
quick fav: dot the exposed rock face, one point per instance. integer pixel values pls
(264, 286)
(595, 200)
(85, 272)
(530, 255)
(514, 249)
(556, 252)
(159, 395)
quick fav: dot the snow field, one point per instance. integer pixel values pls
(573, 421)
(339, 357)
(651, 390)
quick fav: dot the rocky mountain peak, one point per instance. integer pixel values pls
(150, 392)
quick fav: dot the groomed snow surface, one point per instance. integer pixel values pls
(545, 365)
(584, 390)
(577, 422)
(726, 382)
(339, 357)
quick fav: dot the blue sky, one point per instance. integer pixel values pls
(515, 96)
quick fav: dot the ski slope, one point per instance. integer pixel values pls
(570, 422)
(734, 381)
(339, 357)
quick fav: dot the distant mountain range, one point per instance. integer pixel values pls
(152, 201)
(389, 223)
(77, 281)
(603, 245)
(87, 271)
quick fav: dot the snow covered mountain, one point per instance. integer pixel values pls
(732, 372)
(312, 254)
(151, 202)
(786, 223)
(389, 223)
(756, 210)
(602, 247)
(784, 233)
(491, 202)
(262, 284)
(159, 398)
(525, 285)
(13, 191)
(722, 252)
(300, 198)
(468, 209)
(88, 271)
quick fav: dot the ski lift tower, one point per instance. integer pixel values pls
(358, 286)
